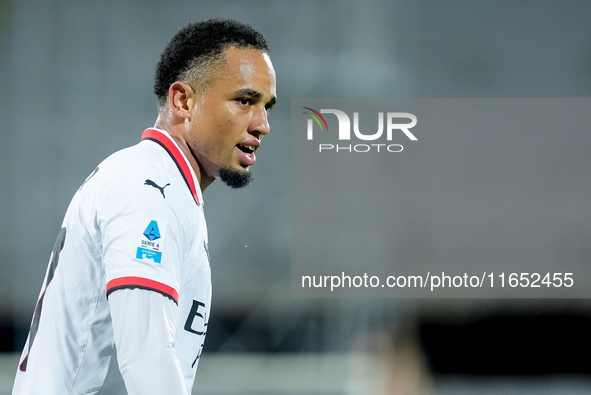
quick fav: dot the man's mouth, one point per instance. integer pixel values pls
(247, 154)
(247, 149)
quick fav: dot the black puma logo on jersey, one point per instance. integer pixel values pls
(153, 184)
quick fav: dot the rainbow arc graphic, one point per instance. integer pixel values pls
(316, 115)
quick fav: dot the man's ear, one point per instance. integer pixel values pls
(179, 99)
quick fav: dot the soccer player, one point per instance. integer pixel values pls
(126, 298)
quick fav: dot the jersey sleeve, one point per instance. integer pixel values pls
(141, 234)
(144, 328)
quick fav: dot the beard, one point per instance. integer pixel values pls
(235, 179)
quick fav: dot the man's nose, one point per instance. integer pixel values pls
(259, 125)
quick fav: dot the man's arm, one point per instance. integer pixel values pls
(144, 328)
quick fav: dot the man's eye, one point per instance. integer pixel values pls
(244, 101)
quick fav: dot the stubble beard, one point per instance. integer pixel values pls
(235, 179)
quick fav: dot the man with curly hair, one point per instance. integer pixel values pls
(126, 298)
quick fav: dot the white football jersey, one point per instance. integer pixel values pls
(137, 222)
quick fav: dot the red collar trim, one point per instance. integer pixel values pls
(177, 156)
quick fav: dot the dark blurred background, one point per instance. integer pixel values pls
(76, 84)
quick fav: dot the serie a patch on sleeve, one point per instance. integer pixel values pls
(151, 240)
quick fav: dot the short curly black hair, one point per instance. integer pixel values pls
(198, 45)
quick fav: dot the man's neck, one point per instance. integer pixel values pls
(177, 132)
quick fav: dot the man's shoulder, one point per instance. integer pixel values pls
(139, 162)
(144, 155)
(141, 173)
